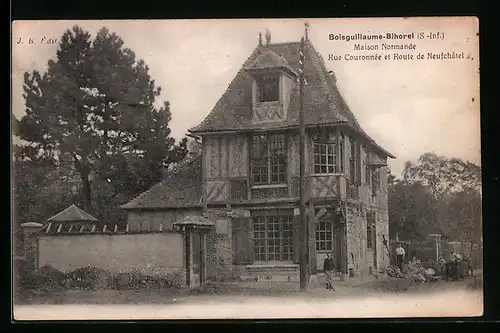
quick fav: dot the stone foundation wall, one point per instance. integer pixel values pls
(382, 230)
(268, 272)
(219, 246)
(353, 230)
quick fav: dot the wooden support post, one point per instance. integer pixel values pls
(70, 228)
(116, 227)
(161, 227)
(93, 228)
(304, 242)
(126, 228)
(104, 228)
(81, 228)
(48, 228)
(59, 228)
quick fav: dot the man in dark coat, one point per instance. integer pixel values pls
(328, 267)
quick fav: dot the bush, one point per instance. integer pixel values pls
(137, 280)
(46, 277)
(89, 278)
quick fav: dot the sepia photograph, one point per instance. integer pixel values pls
(246, 169)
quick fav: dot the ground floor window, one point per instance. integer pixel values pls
(272, 238)
(324, 235)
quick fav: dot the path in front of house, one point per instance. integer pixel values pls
(264, 300)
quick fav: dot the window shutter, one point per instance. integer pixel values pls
(242, 241)
(296, 238)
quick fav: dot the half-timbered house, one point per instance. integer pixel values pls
(249, 180)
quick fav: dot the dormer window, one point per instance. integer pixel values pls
(269, 88)
(273, 81)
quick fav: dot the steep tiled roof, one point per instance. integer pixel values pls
(268, 59)
(72, 214)
(323, 103)
(178, 190)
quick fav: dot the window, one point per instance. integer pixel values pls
(324, 235)
(325, 158)
(352, 162)
(273, 238)
(367, 171)
(341, 153)
(369, 237)
(375, 180)
(269, 88)
(269, 156)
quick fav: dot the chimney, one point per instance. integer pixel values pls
(260, 38)
(268, 37)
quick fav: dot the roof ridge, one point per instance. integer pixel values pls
(282, 43)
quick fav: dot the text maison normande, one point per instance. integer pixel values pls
(388, 47)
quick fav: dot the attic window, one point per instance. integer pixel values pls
(269, 88)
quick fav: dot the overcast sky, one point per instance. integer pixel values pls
(408, 107)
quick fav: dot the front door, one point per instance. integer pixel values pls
(196, 250)
(327, 238)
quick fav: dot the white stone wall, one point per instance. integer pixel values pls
(155, 253)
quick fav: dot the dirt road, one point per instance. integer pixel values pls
(359, 301)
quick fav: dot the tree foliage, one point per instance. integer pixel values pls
(436, 195)
(93, 113)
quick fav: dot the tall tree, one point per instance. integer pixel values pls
(93, 111)
(443, 175)
(438, 195)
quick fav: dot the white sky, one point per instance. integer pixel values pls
(408, 107)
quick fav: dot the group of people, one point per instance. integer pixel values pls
(453, 268)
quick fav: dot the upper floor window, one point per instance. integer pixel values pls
(376, 180)
(269, 88)
(353, 163)
(367, 170)
(327, 158)
(268, 158)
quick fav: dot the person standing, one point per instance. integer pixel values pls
(328, 267)
(400, 256)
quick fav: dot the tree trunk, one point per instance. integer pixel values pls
(87, 196)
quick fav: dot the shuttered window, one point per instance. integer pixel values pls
(272, 238)
(242, 241)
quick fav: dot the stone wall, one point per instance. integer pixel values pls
(149, 253)
(219, 246)
(381, 231)
(354, 230)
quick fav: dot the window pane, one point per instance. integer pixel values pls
(269, 88)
